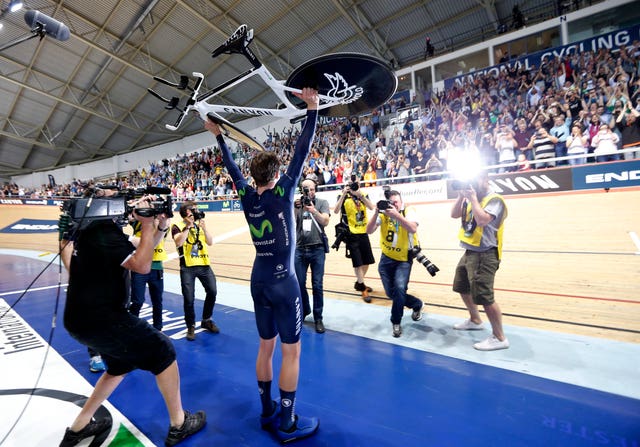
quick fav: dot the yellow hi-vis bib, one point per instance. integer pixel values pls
(202, 258)
(356, 215)
(159, 253)
(394, 239)
(471, 233)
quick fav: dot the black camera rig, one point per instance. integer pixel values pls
(384, 204)
(416, 253)
(354, 185)
(306, 200)
(84, 211)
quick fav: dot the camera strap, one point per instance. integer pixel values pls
(320, 229)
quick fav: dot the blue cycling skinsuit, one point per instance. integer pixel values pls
(274, 286)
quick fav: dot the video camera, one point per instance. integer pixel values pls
(84, 211)
(415, 253)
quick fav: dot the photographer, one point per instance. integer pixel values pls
(312, 215)
(192, 238)
(155, 278)
(353, 204)
(482, 214)
(98, 260)
(398, 225)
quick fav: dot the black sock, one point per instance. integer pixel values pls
(288, 403)
(264, 388)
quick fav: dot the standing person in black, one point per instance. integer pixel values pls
(312, 215)
(192, 238)
(99, 261)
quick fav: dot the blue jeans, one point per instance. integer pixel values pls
(206, 277)
(155, 279)
(395, 280)
(608, 157)
(311, 257)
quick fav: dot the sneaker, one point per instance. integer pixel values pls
(96, 364)
(365, 296)
(492, 344)
(397, 330)
(193, 423)
(416, 315)
(191, 333)
(93, 428)
(269, 423)
(319, 327)
(302, 428)
(210, 326)
(468, 325)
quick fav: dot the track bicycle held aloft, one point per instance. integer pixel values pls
(347, 83)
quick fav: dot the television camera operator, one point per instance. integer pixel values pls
(398, 225)
(312, 215)
(99, 256)
(352, 229)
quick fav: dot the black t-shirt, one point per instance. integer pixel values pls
(98, 285)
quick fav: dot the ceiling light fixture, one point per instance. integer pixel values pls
(15, 5)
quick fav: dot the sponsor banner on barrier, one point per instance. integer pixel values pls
(412, 192)
(217, 205)
(24, 226)
(529, 182)
(16, 201)
(607, 175)
(11, 202)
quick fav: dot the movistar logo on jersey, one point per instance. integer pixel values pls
(259, 233)
(242, 192)
(279, 191)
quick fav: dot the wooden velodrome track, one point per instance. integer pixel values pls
(569, 264)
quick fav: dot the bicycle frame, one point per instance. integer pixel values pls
(340, 93)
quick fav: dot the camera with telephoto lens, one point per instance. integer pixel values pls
(342, 233)
(197, 214)
(306, 200)
(415, 253)
(354, 185)
(84, 211)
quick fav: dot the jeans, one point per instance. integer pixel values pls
(188, 277)
(395, 280)
(311, 257)
(608, 157)
(155, 279)
(577, 161)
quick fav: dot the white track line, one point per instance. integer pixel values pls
(636, 240)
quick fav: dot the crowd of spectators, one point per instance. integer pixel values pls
(585, 105)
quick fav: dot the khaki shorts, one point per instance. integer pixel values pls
(475, 274)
